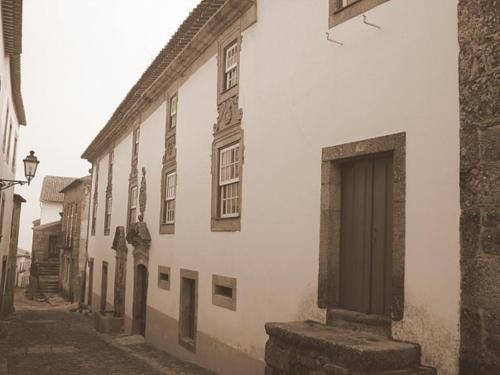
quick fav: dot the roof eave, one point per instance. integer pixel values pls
(228, 13)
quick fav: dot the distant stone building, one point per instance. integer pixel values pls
(23, 265)
(12, 116)
(47, 236)
(73, 245)
(261, 175)
(51, 198)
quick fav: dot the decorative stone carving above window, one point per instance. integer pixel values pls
(228, 134)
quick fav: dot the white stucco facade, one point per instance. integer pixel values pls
(300, 93)
(50, 212)
(9, 133)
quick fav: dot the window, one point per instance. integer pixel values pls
(231, 66)
(5, 130)
(229, 180)
(173, 111)
(164, 277)
(343, 10)
(224, 292)
(135, 150)
(132, 216)
(169, 203)
(8, 140)
(14, 155)
(107, 216)
(94, 201)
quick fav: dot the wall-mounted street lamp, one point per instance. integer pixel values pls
(30, 165)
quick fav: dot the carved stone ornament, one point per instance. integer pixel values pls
(169, 149)
(133, 170)
(139, 237)
(142, 195)
(229, 114)
(120, 241)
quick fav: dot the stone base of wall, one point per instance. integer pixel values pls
(106, 322)
(313, 348)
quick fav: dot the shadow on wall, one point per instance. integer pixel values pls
(421, 327)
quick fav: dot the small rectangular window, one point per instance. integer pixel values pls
(169, 204)
(229, 179)
(231, 65)
(173, 111)
(164, 277)
(133, 205)
(224, 292)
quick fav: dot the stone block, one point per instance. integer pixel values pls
(490, 241)
(477, 19)
(471, 332)
(480, 282)
(469, 232)
(490, 217)
(480, 185)
(469, 146)
(276, 357)
(106, 322)
(479, 99)
(489, 142)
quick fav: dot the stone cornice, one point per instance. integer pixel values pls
(200, 30)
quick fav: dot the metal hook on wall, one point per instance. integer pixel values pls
(369, 23)
(333, 40)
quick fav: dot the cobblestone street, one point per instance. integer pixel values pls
(49, 339)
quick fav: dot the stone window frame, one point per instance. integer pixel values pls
(221, 300)
(93, 224)
(219, 223)
(131, 187)
(164, 284)
(338, 14)
(188, 343)
(330, 219)
(233, 34)
(169, 159)
(108, 204)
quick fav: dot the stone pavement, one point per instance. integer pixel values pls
(48, 339)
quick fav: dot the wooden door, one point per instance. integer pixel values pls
(2, 281)
(366, 235)
(140, 299)
(104, 285)
(91, 282)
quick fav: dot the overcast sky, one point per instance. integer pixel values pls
(79, 60)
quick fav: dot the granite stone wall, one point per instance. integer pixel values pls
(479, 71)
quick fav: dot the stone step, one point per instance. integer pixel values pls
(311, 346)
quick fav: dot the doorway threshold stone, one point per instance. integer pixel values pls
(304, 347)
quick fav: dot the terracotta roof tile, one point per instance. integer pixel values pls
(52, 186)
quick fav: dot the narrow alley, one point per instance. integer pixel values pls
(47, 338)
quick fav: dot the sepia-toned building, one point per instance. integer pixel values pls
(23, 265)
(74, 227)
(12, 117)
(48, 236)
(284, 162)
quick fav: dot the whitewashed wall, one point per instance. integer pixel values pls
(6, 171)
(300, 93)
(50, 212)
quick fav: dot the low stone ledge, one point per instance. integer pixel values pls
(107, 322)
(311, 346)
